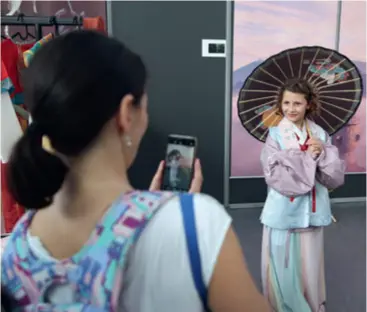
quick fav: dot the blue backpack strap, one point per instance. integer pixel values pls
(188, 215)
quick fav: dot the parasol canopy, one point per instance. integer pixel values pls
(333, 77)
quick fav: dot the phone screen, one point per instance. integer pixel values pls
(179, 163)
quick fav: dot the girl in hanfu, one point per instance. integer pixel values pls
(300, 164)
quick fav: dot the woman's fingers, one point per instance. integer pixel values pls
(197, 180)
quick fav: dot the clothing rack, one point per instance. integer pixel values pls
(40, 21)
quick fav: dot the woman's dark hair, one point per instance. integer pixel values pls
(300, 86)
(72, 88)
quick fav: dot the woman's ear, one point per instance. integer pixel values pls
(125, 116)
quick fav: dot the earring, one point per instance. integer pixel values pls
(128, 141)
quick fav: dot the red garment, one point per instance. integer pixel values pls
(11, 210)
(304, 148)
(94, 23)
(12, 59)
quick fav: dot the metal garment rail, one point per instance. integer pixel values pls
(40, 21)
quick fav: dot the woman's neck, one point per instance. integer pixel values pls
(93, 183)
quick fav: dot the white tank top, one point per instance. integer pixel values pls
(158, 276)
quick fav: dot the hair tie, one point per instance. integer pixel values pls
(47, 146)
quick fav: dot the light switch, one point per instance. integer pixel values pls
(213, 48)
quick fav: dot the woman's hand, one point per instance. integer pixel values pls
(196, 183)
(314, 147)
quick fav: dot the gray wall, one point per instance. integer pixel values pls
(186, 92)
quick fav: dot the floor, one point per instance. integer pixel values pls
(345, 253)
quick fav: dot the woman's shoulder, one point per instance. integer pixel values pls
(206, 207)
(211, 218)
(163, 244)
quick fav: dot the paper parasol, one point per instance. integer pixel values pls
(334, 78)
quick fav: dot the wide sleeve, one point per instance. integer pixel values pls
(290, 172)
(330, 168)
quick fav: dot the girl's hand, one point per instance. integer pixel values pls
(196, 183)
(315, 143)
(314, 152)
(315, 147)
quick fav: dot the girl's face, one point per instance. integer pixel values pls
(175, 159)
(294, 107)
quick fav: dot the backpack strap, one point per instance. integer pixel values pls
(188, 214)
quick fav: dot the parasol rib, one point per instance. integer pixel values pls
(313, 60)
(281, 70)
(331, 114)
(259, 125)
(266, 72)
(266, 131)
(336, 106)
(290, 64)
(343, 91)
(257, 107)
(338, 98)
(325, 121)
(330, 69)
(256, 116)
(257, 99)
(260, 91)
(265, 83)
(318, 70)
(336, 84)
(300, 65)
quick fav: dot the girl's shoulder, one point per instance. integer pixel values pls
(274, 133)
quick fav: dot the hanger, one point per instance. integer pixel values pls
(77, 17)
(18, 34)
(53, 21)
(28, 34)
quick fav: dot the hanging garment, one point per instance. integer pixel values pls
(94, 23)
(12, 59)
(28, 54)
(13, 124)
(11, 131)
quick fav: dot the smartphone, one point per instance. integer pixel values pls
(179, 162)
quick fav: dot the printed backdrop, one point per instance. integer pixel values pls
(264, 28)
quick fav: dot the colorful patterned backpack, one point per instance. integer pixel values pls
(92, 277)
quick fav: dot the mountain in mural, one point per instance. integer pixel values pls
(240, 75)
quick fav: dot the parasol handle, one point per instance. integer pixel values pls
(308, 129)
